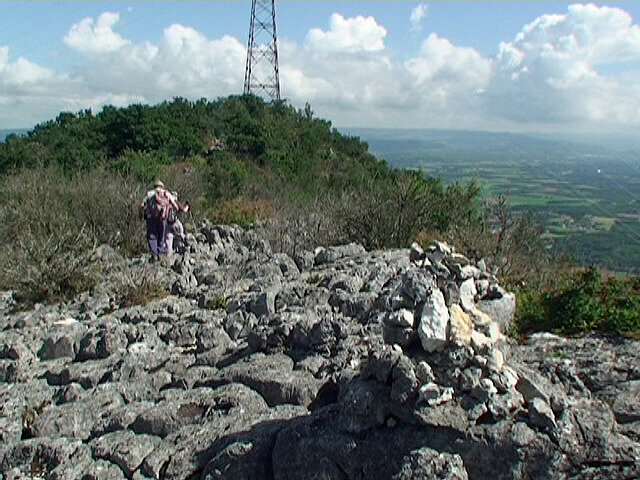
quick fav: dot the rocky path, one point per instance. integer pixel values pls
(335, 364)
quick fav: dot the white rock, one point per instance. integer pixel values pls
(424, 372)
(467, 295)
(495, 360)
(480, 342)
(487, 385)
(482, 286)
(469, 271)
(443, 247)
(447, 394)
(416, 253)
(66, 321)
(480, 360)
(545, 337)
(458, 259)
(138, 348)
(434, 322)
(428, 391)
(494, 333)
(508, 377)
(433, 395)
(400, 318)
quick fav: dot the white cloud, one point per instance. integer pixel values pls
(352, 35)
(99, 37)
(448, 80)
(23, 76)
(440, 62)
(418, 14)
(555, 72)
(30, 92)
(184, 63)
(550, 71)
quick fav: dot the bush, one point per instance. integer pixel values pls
(511, 244)
(297, 225)
(139, 290)
(52, 223)
(47, 249)
(48, 268)
(580, 302)
(393, 211)
(243, 212)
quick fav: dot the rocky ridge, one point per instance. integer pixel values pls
(338, 363)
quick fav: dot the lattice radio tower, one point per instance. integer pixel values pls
(261, 74)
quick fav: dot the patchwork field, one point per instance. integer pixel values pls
(586, 196)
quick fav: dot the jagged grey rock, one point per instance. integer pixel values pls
(125, 449)
(501, 308)
(325, 364)
(428, 463)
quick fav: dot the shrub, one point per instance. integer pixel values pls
(511, 244)
(143, 166)
(52, 222)
(243, 212)
(220, 302)
(393, 211)
(48, 268)
(47, 249)
(580, 302)
(297, 225)
(138, 288)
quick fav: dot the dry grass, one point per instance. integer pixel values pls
(139, 288)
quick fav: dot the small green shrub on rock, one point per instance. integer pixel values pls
(581, 302)
(139, 290)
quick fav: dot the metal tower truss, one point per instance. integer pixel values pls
(261, 74)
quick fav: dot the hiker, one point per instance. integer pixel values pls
(175, 229)
(155, 207)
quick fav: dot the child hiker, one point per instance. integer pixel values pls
(176, 240)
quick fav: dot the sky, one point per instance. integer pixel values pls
(520, 66)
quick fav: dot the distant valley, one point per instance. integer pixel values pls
(587, 195)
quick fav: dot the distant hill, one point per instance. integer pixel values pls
(378, 139)
(389, 143)
(8, 131)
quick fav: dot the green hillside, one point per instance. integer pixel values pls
(236, 160)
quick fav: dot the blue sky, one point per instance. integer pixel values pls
(504, 65)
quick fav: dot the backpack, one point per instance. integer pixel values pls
(158, 205)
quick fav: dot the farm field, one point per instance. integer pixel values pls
(587, 197)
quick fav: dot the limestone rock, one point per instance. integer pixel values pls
(428, 463)
(434, 322)
(336, 363)
(501, 309)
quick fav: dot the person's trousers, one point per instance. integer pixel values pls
(157, 235)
